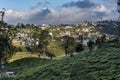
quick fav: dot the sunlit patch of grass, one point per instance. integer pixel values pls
(55, 48)
(20, 55)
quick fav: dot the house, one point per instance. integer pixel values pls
(7, 74)
(68, 27)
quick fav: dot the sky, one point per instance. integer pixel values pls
(58, 11)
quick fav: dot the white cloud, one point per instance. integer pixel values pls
(64, 15)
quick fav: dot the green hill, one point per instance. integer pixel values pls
(101, 64)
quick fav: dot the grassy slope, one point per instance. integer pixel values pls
(20, 55)
(99, 65)
(54, 47)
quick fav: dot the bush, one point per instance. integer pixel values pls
(79, 48)
(21, 49)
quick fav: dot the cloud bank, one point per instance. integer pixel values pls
(69, 13)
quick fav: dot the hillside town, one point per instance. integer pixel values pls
(56, 44)
(88, 30)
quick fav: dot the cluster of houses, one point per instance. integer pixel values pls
(88, 30)
(24, 37)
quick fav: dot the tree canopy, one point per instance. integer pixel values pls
(6, 48)
(68, 45)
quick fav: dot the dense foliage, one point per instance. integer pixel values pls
(6, 48)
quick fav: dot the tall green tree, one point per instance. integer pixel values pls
(35, 36)
(6, 48)
(44, 38)
(68, 45)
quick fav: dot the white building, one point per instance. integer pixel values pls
(7, 74)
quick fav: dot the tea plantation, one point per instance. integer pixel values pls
(100, 64)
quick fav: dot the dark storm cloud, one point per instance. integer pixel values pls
(80, 4)
(42, 13)
(39, 15)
